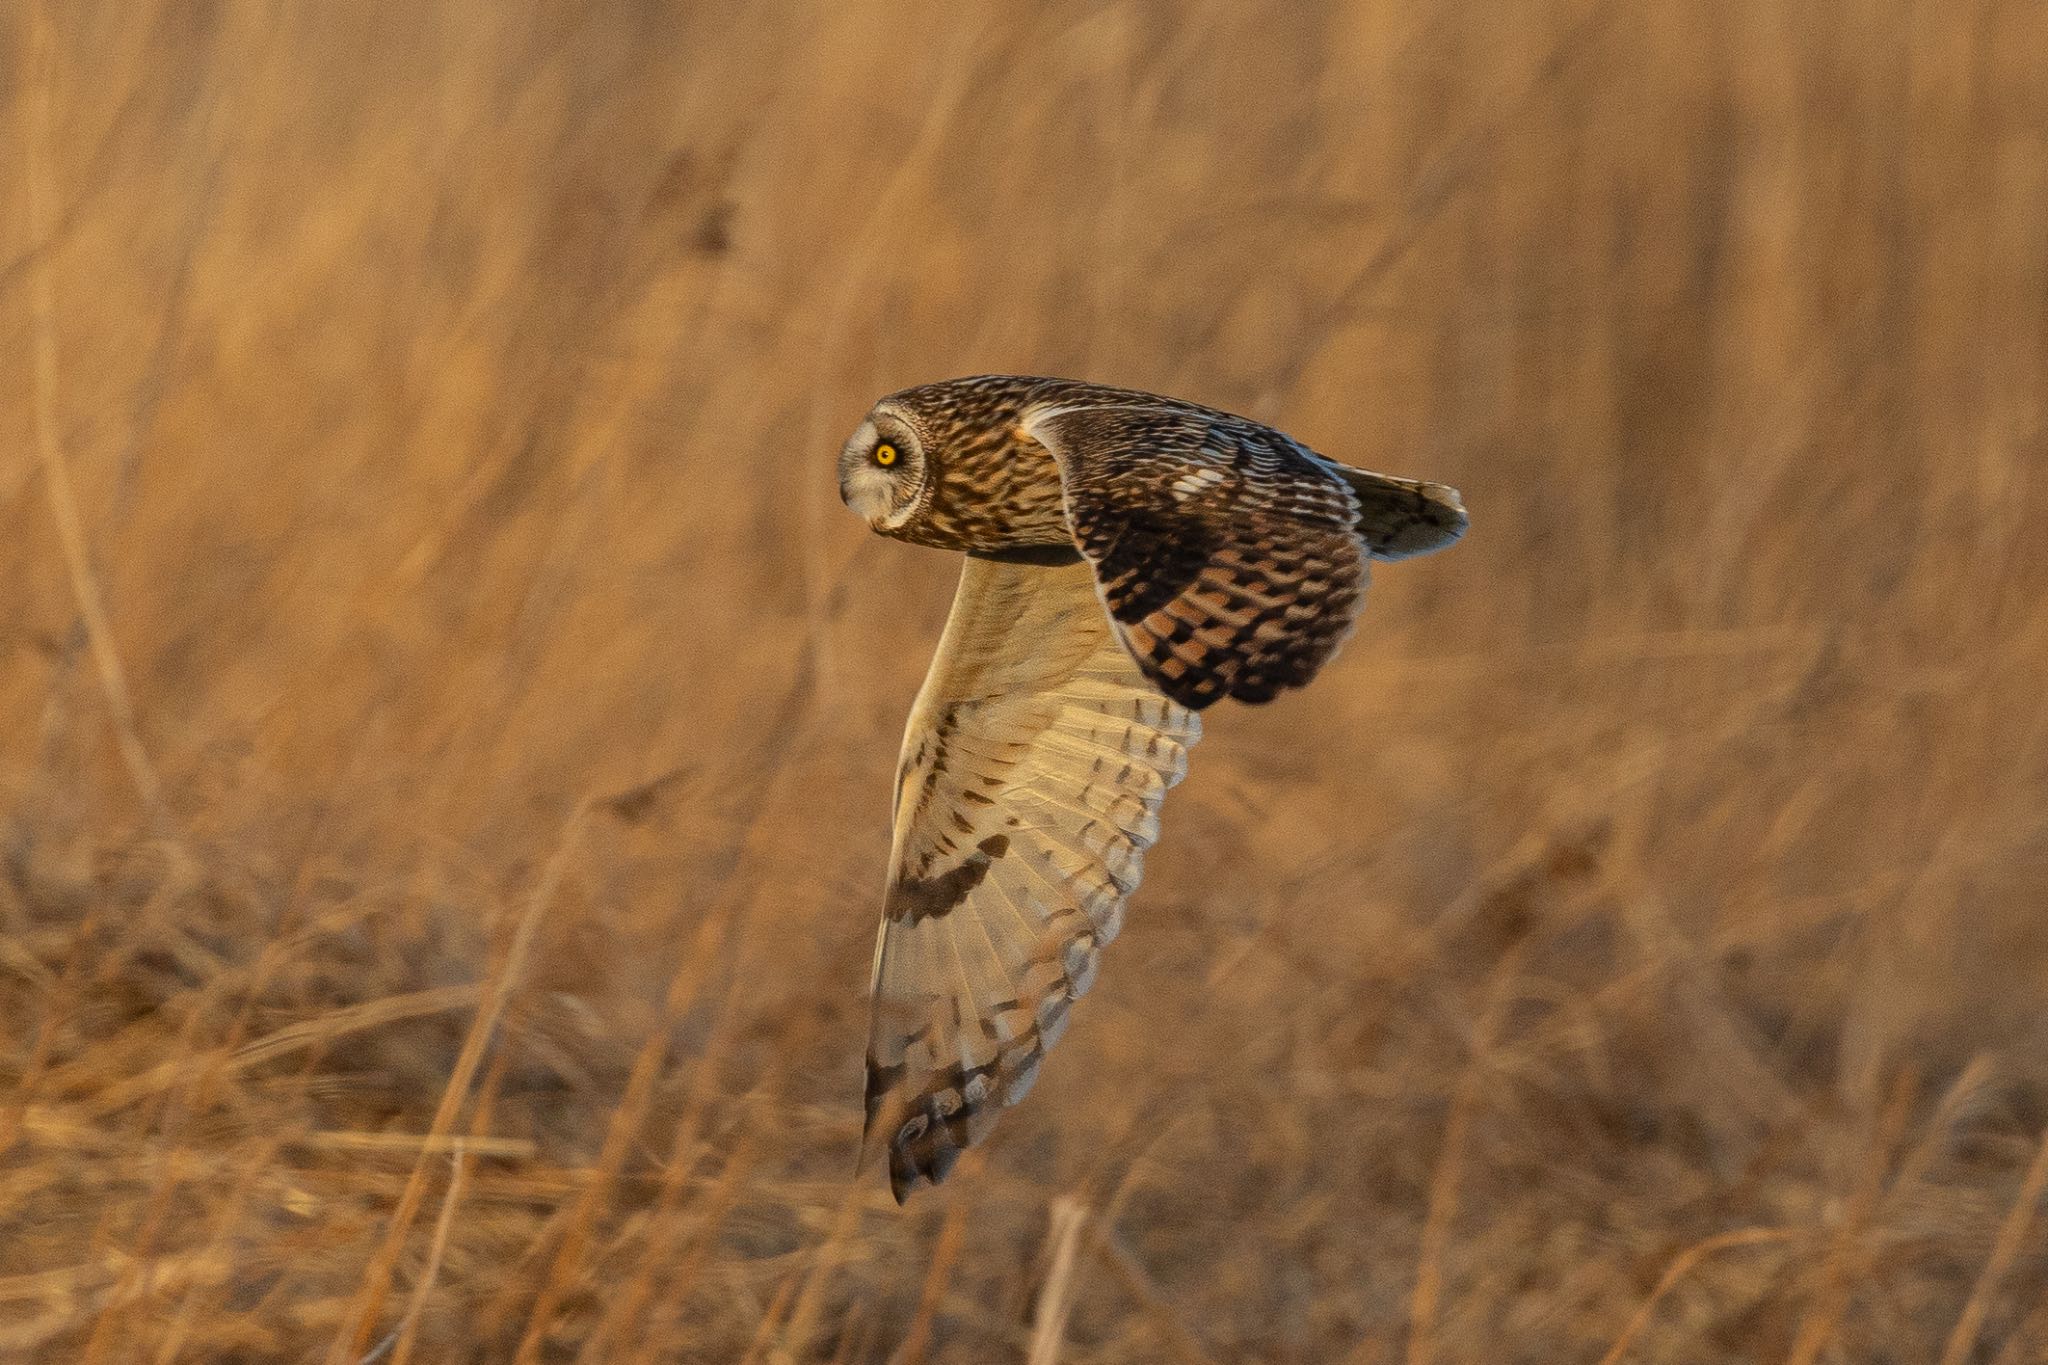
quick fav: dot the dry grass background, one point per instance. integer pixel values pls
(446, 717)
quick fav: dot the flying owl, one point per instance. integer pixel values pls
(1130, 560)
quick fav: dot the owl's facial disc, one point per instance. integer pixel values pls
(881, 472)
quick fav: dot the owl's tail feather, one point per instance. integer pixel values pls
(1402, 517)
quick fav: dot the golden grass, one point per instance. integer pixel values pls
(445, 714)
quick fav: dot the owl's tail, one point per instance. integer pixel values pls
(1398, 518)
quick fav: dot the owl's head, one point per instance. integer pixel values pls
(883, 472)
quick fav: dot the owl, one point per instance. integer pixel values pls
(1130, 560)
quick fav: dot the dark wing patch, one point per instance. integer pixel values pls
(1228, 555)
(916, 898)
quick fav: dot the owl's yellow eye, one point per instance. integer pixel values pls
(885, 454)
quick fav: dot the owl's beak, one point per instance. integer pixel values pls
(868, 492)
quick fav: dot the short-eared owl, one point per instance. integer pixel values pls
(1130, 559)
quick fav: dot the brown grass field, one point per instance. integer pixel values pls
(446, 717)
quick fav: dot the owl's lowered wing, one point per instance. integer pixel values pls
(1033, 767)
(1232, 559)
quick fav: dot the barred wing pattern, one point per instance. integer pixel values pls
(1033, 768)
(1229, 556)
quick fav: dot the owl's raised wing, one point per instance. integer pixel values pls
(1231, 558)
(1033, 767)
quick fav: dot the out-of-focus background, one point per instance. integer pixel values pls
(446, 717)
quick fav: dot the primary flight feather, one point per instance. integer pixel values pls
(1131, 559)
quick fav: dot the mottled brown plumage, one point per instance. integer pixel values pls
(1132, 560)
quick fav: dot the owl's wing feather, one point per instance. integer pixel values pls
(1230, 557)
(1033, 767)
